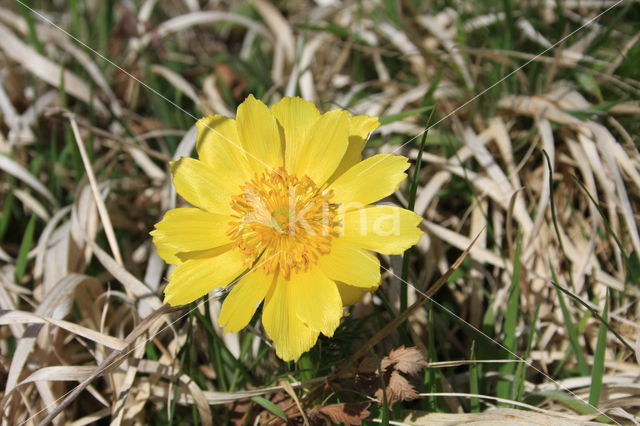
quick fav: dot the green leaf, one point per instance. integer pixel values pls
(386, 119)
(596, 314)
(598, 358)
(6, 211)
(510, 324)
(25, 246)
(270, 406)
(413, 191)
(521, 370)
(568, 400)
(572, 333)
(306, 367)
(589, 84)
(633, 268)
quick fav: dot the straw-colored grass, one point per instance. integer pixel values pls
(520, 301)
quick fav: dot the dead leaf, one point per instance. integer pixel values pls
(406, 360)
(398, 389)
(350, 414)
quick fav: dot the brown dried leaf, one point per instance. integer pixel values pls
(350, 414)
(406, 360)
(398, 389)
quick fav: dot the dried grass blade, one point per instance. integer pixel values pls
(13, 168)
(102, 209)
(109, 362)
(47, 70)
(148, 300)
(22, 317)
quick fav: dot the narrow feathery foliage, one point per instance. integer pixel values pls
(283, 211)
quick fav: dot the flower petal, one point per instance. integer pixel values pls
(290, 335)
(370, 180)
(323, 149)
(317, 301)
(296, 116)
(351, 295)
(362, 125)
(350, 265)
(197, 277)
(241, 303)
(219, 146)
(385, 229)
(166, 253)
(190, 229)
(260, 135)
(359, 128)
(201, 186)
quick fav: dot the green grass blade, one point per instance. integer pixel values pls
(598, 358)
(25, 246)
(572, 333)
(413, 190)
(33, 33)
(521, 369)
(6, 210)
(386, 119)
(570, 401)
(596, 314)
(270, 406)
(510, 323)
(433, 381)
(214, 346)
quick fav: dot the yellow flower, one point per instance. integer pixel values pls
(283, 210)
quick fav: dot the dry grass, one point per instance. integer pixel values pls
(541, 171)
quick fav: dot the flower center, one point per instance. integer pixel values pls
(284, 220)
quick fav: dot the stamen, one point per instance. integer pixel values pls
(289, 220)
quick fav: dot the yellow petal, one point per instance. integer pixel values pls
(317, 300)
(201, 186)
(166, 253)
(370, 180)
(197, 277)
(362, 125)
(351, 295)
(296, 116)
(290, 335)
(219, 146)
(190, 229)
(241, 303)
(319, 155)
(350, 265)
(260, 135)
(385, 229)
(359, 128)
